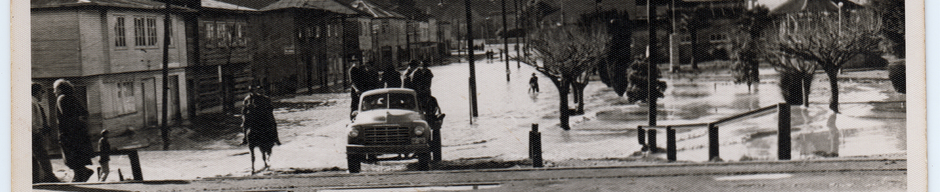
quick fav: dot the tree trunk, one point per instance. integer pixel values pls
(807, 80)
(564, 112)
(579, 96)
(834, 88)
(694, 36)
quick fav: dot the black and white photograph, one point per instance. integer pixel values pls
(470, 95)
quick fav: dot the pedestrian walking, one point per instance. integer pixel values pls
(259, 125)
(42, 168)
(534, 84)
(104, 156)
(73, 131)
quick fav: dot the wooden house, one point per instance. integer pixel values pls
(112, 51)
(299, 45)
(220, 72)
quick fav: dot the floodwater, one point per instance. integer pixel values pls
(608, 127)
(606, 130)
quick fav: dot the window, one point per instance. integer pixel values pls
(223, 34)
(145, 31)
(151, 31)
(125, 102)
(120, 32)
(384, 26)
(241, 34)
(139, 37)
(210, 31)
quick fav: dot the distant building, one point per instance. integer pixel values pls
(112, 51)
(221, 72)
(387, 29)
(299, 45)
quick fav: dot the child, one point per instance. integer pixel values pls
(104, 149)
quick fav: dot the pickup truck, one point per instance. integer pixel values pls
(391, 121)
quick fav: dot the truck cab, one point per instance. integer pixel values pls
(388, 121)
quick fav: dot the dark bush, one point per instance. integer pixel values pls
(866, 61)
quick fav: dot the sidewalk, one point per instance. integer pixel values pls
(811, 175)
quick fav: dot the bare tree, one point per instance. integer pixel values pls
(830, 42)
(563, 54)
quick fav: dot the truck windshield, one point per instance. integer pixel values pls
(388, 101)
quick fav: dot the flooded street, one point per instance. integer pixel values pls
(608, 128)
(315, 138)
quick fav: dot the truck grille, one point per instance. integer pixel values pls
(386, 135)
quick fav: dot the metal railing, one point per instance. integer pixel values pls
(647, 138)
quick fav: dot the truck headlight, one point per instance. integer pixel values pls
(420, 130)
(354, 133)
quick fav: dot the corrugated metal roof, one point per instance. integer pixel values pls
(374, 10)
(223, 5)
(137, 4)
(326, 5)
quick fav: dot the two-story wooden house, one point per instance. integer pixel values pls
(299, 45)
(112, 51)
(220, 74)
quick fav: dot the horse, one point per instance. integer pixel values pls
(260, 127)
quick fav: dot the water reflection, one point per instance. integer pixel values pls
(824, 143)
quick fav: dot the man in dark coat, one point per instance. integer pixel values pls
(391, 77)
(259, 125)
(73, 131)
(419, 79)
(42, 168)
(363, 79)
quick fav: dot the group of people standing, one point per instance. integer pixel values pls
(73, 139)
(364, 78)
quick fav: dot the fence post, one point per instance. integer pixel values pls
(651, 141)
(713, 142)
(670, 143)
(783, 131)
(535, 146)
(135, 166)
(641, 137)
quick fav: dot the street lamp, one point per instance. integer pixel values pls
(840, 18)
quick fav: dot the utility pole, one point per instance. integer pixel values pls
(518, 51)
(473, 77)
(505, 41)
(651, 25)
(164, 129)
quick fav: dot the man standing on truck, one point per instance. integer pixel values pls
(363, 79)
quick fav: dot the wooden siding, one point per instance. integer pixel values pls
(142, 58)
(93, 42)
(214, 51)
(55, 44)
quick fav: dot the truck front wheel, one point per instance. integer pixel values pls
(424, 161)
(353, 162)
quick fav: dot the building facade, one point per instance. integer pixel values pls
(220, 73)
(300, 46)
(112, 52)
